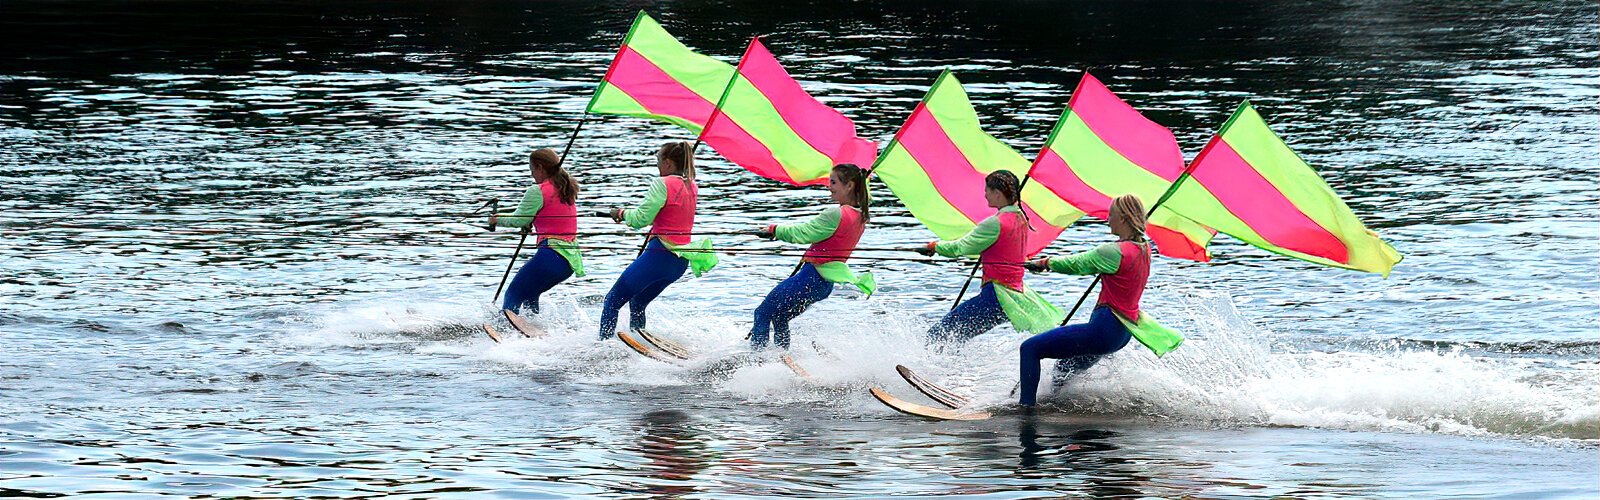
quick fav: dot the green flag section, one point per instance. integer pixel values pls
(1102, 148)
(1249, 184)
(654, 76)
(937, 162)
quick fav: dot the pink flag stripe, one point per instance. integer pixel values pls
(657, 91)
(825, 129)
(732, 141)
(1052, 171)
(1175, 244)
(1040, 233)
(952, 175)
(613, 67)
(1259, 204)
(1140, 140)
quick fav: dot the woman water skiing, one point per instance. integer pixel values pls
(1000, 242)
(668, 209)
(1124, 268)
(550, 208)
(833, 234)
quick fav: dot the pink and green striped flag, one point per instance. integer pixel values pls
(769, 125)
(937, 162)
(1102, 148)
(1249, 184)
(655, 76)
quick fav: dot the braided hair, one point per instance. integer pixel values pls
(1006, 183)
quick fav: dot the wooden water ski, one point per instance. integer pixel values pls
(910, 408)
(789, 362)
(493, 335)
(646, 350)
(943, 396)
(522, 326)
(669, 347)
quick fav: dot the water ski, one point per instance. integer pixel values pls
(789, 362)
(669, 347)
(943, 396)
(910, 408)
(646, 350)
(521, 325)
(493, 335)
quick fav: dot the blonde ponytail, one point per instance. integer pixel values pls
(681, 154)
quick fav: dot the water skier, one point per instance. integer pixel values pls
(833, 234)
(550, 208)
(1000, 242)
(668, 208)
(1124, 268)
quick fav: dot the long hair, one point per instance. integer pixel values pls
(851, 174)
(546, 162)
(681, 154)
(1129, 208)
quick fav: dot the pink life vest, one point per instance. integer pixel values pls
(837, 247)
(1121, 290)
(555, 219)
(675, 222)
(1002, 261)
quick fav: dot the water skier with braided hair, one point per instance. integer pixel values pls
(1001, 243)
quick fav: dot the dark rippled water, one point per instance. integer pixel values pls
(235, 263)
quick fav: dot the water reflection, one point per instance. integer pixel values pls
(1082, 454)
(673, 451)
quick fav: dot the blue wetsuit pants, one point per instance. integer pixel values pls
(973, 317)
(539, 274)
(1076, 347)
(639, 284)
(790, 298)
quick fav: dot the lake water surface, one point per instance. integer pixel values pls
(234, 259)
